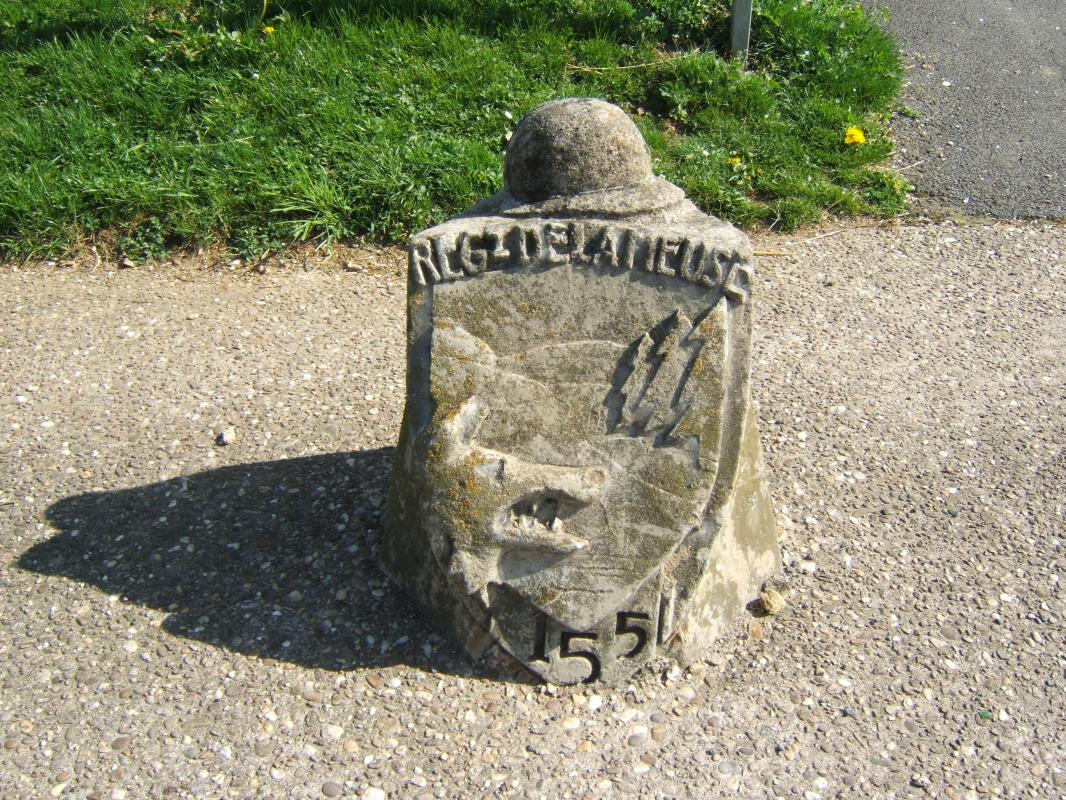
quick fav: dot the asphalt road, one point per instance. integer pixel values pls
(988, 84)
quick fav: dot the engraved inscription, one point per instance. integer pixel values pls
(632, 632)
(626, 624)
(615, 249)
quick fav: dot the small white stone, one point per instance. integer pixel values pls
(374, 793)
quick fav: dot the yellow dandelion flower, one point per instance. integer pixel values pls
(854, 135)
(735, 161)
(268, 30)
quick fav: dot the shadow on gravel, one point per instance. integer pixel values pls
(276, 560)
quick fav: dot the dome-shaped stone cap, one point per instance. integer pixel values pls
(572, 146)
(582, 155)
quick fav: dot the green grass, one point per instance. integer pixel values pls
(174, 122)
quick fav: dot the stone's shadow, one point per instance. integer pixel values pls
(275, 560)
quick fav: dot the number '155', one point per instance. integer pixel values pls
(626, 623)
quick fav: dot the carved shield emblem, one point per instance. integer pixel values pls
(572, 431)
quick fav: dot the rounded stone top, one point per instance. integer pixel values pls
(573, 146)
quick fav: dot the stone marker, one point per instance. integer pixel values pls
(579, 484)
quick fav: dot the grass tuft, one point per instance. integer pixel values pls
(182, 122)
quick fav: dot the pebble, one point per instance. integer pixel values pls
(332, 789)
(263, 748)
(772, 601)
(374, 793)
(226, 436)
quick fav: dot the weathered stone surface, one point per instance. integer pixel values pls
(572, 146)
(578, 482)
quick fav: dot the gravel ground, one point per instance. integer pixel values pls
(194, 465)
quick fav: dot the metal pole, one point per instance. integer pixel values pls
(740, 30)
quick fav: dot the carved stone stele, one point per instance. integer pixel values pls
(579, 484)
